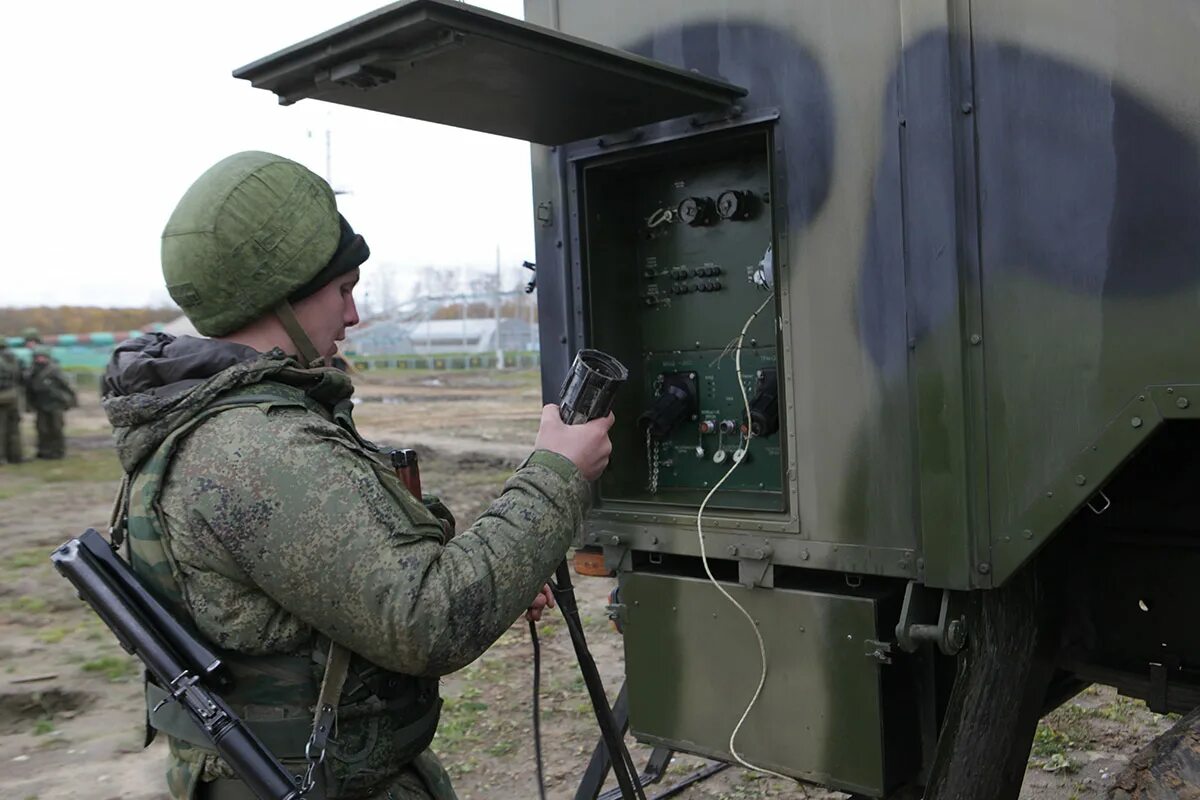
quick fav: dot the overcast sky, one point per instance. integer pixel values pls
(113, 109)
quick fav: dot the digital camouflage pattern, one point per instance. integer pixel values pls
(251, 230)
(49, 395)
(279, 527)
(10, 405)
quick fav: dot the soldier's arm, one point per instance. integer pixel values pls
(336, 542)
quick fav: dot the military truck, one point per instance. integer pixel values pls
(949, 469)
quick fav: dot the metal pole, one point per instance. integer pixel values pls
(499, 343)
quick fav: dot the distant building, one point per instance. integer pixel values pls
(437, 336)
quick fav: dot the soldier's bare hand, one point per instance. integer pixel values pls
(544, 600)
(587, 446)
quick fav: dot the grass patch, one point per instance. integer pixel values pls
(501, 748)
(28, 603)
(53, 635)
(42, 727)
(99, 465)
(460, 722)
(115, 668)
(24, 559)
(1051, 744)
(1048, 741)
(1121, 709)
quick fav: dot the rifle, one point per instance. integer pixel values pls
(175, 659)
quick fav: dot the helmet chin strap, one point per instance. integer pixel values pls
(304, 346)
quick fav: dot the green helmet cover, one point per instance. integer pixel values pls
(30, 333)
(251, 230)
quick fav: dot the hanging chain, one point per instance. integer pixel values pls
(652, 461)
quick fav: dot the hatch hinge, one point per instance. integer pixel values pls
(926, 617)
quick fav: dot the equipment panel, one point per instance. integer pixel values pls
(680, 286)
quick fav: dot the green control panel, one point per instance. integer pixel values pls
(678, 257)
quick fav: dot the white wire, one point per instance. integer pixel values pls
(762, 650)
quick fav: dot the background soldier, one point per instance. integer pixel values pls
(31, 337)
(49, 394)
(10, 399)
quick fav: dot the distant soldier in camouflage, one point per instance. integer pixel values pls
(31, 338)
(254, 507)
(11, 376)
(49, 395)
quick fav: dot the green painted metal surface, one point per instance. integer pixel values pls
(822, 713)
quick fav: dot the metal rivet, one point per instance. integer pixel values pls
(967, 108)
(1028, 534)
(984, 568)
(1170, 390)
(733, 551)
(1080, 480)
(976, 338)
(1049, 494)
(1142, 397)
(912, 344)
(1182, 402)
(804, 555)
(1136, 422)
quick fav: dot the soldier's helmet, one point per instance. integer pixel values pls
(254, 231)
(41, 352)
(30, 334)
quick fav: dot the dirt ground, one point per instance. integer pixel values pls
(70, 708)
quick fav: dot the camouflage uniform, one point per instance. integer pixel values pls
(10, 405)
(256, 509)
(49, 395)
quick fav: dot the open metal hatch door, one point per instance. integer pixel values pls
(451, 63)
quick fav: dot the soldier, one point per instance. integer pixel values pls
(49, 395)
(31, 338)
(11, 378)
(256, 510)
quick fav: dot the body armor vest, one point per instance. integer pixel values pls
(385, 719)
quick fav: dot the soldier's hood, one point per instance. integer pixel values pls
(157, 382)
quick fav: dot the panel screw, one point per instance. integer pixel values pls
(1080, 480)
(1028, 534)
(967, 108)
(760, 553)
(1136, 422)
(984, 568)
(912, 344)
(804, 555)
(976, 338)
(614, 541)
(1182, 402)
(653, 540)
(732, 549)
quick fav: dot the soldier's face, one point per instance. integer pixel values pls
(328, 312)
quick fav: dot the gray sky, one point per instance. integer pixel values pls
(113, 109)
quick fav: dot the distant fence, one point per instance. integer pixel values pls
(527, 359)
